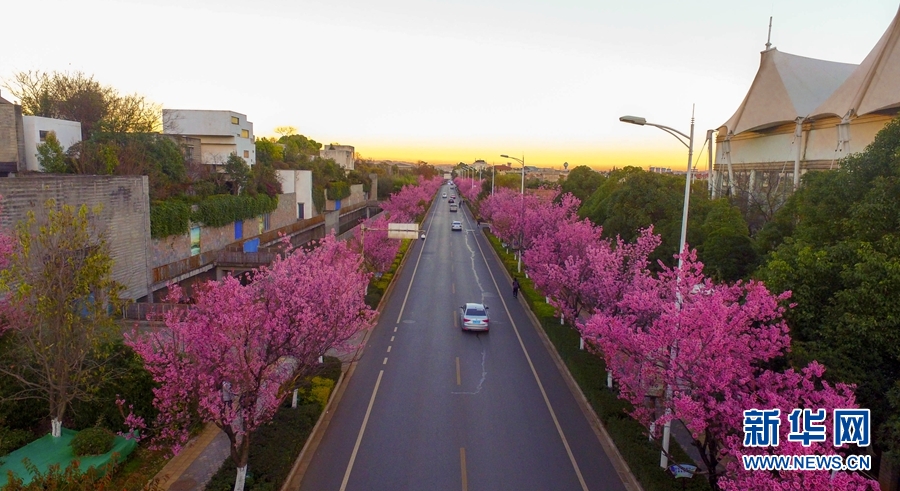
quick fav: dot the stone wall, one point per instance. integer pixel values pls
(125, 216)
(178, 247)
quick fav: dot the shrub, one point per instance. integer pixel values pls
(169, 217)
(92, 441)
(319, 391)
(11, 439)
(72, 478)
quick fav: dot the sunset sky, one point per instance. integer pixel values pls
(444, 81)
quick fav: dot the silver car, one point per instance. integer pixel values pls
(474, 317)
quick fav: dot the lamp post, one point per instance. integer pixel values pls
(688, 141)
(522, 226)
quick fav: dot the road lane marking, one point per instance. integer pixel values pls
(462, 464)
(395, 328)
(537, 379)
(361, 431)
(458, 381)
(385, 361)
(453, 288)
(389, 349)
(411, 280)
(392, 339)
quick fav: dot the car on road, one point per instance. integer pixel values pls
(474, 317)
(451, 201)
(452, 196)
(456, 225)
(454, 207)
(444, 196)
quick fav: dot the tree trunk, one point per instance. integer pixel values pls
(240, 451)
(241, 477)
(55, 428)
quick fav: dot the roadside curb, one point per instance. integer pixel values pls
(628, 479)
(298, 470)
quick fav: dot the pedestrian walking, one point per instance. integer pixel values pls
(515, 286)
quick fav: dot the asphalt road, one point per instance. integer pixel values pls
(430, 407)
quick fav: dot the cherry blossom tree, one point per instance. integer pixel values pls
(682, 347)
(377, 249)
(469, 188)
(559, 263)
(410, 202)
(234, 355)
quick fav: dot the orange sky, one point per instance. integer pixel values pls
(600, 159)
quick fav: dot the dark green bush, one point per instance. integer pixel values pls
(92, 441)
(11, 439)
(169, 217)
(222, 209)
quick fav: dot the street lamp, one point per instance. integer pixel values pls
(688, 141)
(522, 227)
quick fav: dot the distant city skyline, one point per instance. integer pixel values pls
(450, 81)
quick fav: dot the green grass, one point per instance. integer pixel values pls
(589, 372)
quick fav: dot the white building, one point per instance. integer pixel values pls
(36, 129)
(343, 155)
(300, 183)
(804, 114)
(221, 133)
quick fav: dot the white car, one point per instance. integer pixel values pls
(474, 317)
(444, 196)
(456, 225)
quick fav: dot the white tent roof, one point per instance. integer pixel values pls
(875, 85)
(786, 87)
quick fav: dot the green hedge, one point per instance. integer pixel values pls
(275, 446)
(173, 217)
(589, 372)
(170, 217)
(222, 209)
(338, 190)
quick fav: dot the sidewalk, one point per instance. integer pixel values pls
(195, 465)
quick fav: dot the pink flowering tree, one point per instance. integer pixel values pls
(235, 354)
(409, 204)
(469, 188)
(684, 348)
(559, 263)
(378, 251)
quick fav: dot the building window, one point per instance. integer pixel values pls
(245, 133)
(195, 240)
(43, 134)
(264, 222)
(246, 154)
(238, 229)
(235, 120)
(189, 153)
(300, 215)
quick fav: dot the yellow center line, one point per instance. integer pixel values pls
(458, 382)
(462, 464)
